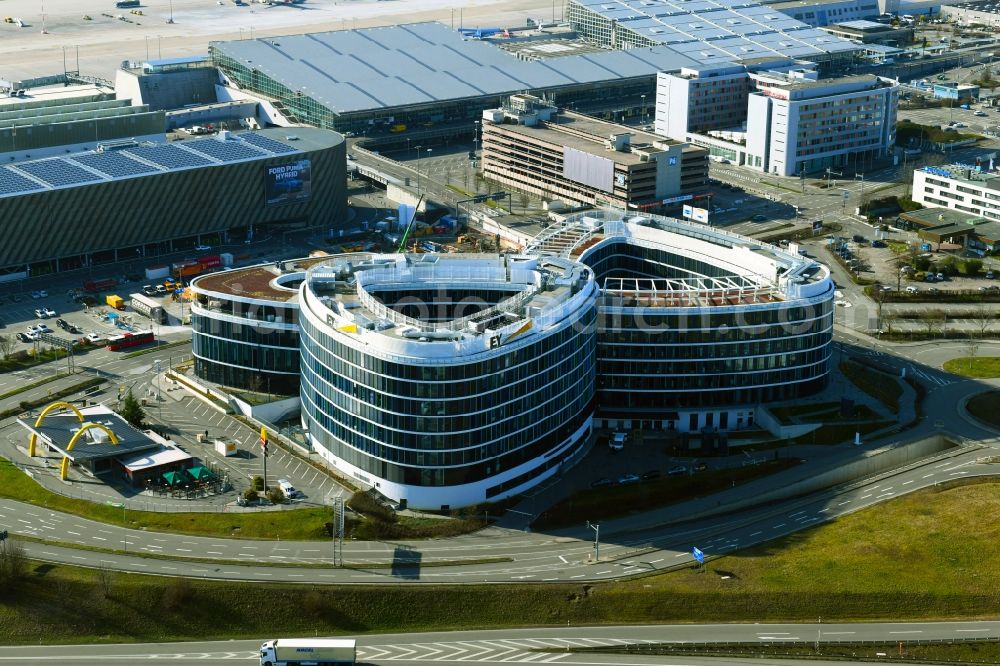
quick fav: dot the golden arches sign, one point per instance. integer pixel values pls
(64, 469)
(41, 417)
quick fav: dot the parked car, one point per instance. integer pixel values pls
(602, 482)
(49, 312)
(617, 441)
(625, 479)
(62, 323)
(40, 313)
(990, 275)
(759, 218)
(40, 293)
(26, 337)
(979, 112)
(677, 470)
(701, 467)
(161, 290)
(288, 489)
(149, 290)
(940, 277)
(94, 338)
(202, 248)
(912, 290)
(651, 474)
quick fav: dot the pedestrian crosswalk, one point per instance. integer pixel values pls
(520, 651)
(881, 361)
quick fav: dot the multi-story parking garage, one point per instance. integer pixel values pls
(448, 380)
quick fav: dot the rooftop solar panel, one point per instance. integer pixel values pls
(223, 150)
(267, 144)
(169, 157)
(12, 182)
(115, 164)
(57, 172)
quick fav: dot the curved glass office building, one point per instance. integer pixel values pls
(697, 326)
(448, 380)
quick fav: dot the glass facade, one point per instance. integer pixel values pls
(432, 423)
(651, 359)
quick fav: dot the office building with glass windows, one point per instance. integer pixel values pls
(697, 326)
(448, 380)
(454, 379)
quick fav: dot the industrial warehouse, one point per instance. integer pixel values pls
(449, 380)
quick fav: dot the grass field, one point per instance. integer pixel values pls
(292, 524)
(986, 407)
(928, 555)
(980, 367)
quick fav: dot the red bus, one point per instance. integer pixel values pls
(123, 340)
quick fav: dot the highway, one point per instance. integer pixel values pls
(548, 645)
(631, 546)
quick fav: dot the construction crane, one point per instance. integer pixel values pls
(409, 226)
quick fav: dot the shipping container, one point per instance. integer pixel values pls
(157, 272)
(211, 261)
(115, 301)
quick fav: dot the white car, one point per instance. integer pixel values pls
(980, 113)
(40, 313)
(202, 248)
(39, 294)
(94, 337)
(38, 328)
(49, 312)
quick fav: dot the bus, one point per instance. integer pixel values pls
(125, 340)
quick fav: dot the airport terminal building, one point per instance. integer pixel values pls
(451, 380)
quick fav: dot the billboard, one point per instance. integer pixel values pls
(286, 183)
(591, 170)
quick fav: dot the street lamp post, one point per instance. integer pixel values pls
(643, 109)
(597, 540)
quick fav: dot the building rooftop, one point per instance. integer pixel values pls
(968, 173)
(262, 282)
(710, 30)
(58, 429)
(794, 83)
(420, 63)
(863, 26)
(590, 135)
(130, 159)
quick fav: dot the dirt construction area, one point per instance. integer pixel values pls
(94, 37)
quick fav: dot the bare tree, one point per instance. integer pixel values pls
(106, 577)
(13, 562)
(7, 343)
(889, 319)
(982, 316)
(934, 320)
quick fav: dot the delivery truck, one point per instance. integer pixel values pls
(308, 651)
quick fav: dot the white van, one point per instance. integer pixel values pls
(617, 441)
(288, 489)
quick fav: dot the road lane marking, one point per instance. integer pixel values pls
(777, 526)
(563, 559)
(838, 633)
(927, 476)
(756, 533)
(915, 631)
(906, 482)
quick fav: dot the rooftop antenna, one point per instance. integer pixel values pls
(171, 19)
(44, 31)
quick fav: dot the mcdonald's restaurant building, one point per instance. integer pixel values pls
(83, 437)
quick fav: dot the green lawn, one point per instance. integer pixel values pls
(292, 524)
(611, 502)
(980, 367)
(929, 555)
(986, 407)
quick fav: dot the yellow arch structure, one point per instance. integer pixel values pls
(64, 468)
(41, 417)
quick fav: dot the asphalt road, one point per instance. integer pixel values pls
(527, 645)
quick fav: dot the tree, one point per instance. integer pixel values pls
(106, 577)
(276, 495)
(982, 316)
(132, 411)
(13, 563)
(934, 320)
(250, 494)
(7, 343)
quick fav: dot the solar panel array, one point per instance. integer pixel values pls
(11, 182)
(57, 172)
(140, 160)
(225, 151)
(169, 157)
(271, 145)
(115, 164)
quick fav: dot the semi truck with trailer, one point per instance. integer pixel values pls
(308, 652)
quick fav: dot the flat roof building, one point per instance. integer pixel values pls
(971, 189)
(870, 32)
(531, 146)
(819, 13)
(785, 122)
(710, 32)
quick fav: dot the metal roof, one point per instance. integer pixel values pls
(418, 63)
(736, 27)
(142, 159)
